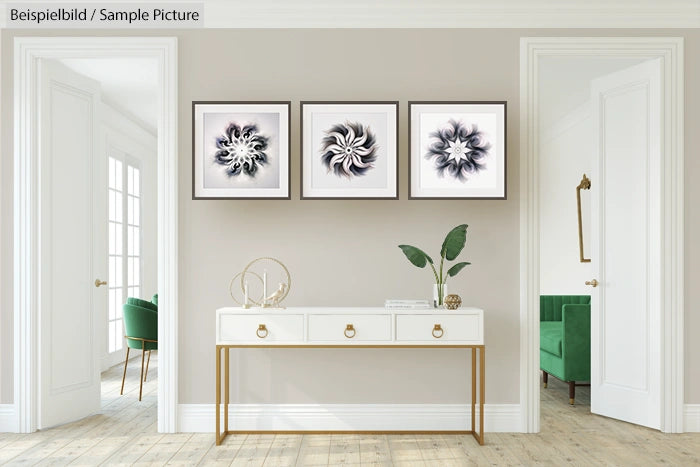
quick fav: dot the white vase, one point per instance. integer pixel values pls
(439, 294)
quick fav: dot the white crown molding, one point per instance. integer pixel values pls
(691, 417)
(443, 13)
(351, 417)
(453, 14)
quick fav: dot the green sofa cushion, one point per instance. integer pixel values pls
(550, 337)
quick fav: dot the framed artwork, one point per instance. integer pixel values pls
(457, 150)
(349, 150)
(240, 150)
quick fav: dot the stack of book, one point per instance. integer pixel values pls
(407, 304)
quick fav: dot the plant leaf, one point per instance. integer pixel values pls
(454, 270)
(416, 256)
(454, 242)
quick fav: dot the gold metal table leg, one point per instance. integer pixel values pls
(473, 349)
(218, 394)
(482, 391)
(479, 436)
(226, 389)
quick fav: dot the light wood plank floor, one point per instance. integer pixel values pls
(125, 433)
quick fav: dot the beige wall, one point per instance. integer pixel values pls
(344, 252)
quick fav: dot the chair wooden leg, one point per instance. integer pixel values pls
(148, 361)
(572, 392)
(124, 377)
(143, 354)
(545, 378)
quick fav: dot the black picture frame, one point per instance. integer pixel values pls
(415, 153)
(201, 192)
(304, 157)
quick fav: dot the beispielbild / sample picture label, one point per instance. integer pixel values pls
(116, 15)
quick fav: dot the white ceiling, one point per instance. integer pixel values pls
(438, 13)
(128, 84)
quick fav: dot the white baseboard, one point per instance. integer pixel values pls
(8, 420)
(691, 422)
(349, 417)
(362, 417)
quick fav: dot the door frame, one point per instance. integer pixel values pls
(27, 255)
(670, 50)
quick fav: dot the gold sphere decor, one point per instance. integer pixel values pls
(272, 269)
(453, 301)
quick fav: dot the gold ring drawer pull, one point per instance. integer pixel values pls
(262, 331)
(438, 329)
(349, 329)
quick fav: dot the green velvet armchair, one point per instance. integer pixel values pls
(141, 326)
(142, 303)
(565, 339)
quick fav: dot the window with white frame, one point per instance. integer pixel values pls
(124, 231)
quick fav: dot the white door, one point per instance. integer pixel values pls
(73, 245)
(626, 245)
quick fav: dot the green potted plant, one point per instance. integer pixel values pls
(451, 248)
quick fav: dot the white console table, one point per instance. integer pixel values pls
(323, 327)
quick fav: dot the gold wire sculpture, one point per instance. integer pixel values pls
(275, 298)
(244, 304)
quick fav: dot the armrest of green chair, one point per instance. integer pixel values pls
(154, 299)
(576, 340)
(551, 305)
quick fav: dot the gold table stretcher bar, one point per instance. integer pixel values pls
(347, 328)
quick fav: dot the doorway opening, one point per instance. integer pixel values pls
(98, 169)
(612, 109)
(112, 105)
(582, 100)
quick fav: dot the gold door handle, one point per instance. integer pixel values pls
(261, 329)
(99, 282)
(349, 328)
(437, 329)
(592, 283)
(584, 185)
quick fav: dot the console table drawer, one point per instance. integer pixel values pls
(261, 329)
(349, 328)
(439, 328)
